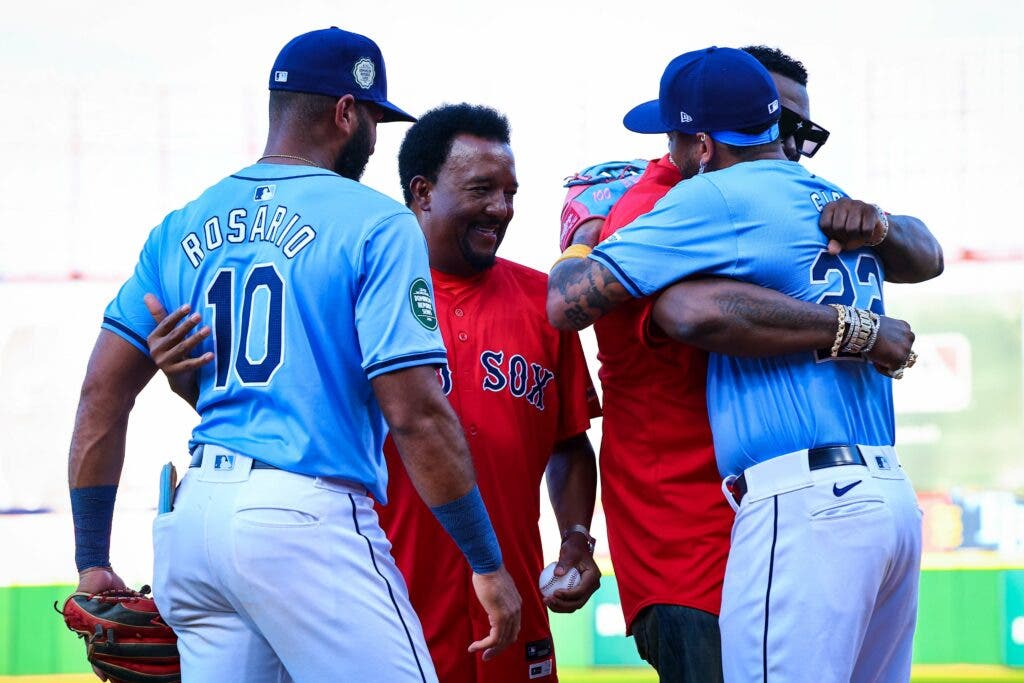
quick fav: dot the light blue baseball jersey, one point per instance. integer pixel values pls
(313, 284)
(758, 222)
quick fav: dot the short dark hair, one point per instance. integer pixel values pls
(428, 142)
(777, 61)
(299, 107)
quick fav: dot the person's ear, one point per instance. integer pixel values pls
(345, 116)
(707, 151)
(421, 190)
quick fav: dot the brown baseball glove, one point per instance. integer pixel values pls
(126, 639)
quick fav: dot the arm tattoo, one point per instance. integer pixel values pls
(757, 313)
(588, 291)
(577, 317)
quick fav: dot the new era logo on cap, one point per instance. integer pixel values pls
(280, 76)
(717, 90)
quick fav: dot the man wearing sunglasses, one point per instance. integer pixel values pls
(802, 137)
(668, 523)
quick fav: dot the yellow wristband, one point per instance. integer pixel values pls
(573, 251)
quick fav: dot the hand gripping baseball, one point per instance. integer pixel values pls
(500, 599)
(574, 553)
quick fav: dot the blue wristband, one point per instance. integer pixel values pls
(466, 521)
(92, 509)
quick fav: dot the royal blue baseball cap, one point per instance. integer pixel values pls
(335, 63)
(717, 90)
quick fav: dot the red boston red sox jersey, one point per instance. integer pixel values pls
(519, 386)
(668, 523)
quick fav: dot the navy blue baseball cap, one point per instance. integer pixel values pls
(717, 90)
(335, 63)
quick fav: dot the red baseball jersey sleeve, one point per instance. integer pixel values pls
(668, 523)
(519, 387)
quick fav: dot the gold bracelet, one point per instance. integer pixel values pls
(573, 251)
(841, 315)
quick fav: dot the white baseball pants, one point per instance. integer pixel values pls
(822, 578)
(269, 576)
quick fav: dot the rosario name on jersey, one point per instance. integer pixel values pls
(758, 222)
(313, 284)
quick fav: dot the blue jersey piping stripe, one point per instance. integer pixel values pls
(619, 274)
(126, 331)
(768, 591)
(288, 177)
(431, 357)
(391, 592)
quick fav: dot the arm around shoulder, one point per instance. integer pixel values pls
(910, 252)
(742, 319)
(581, 290)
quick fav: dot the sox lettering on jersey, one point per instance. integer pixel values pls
(522, 378)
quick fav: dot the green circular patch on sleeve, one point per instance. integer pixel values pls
(422, 303)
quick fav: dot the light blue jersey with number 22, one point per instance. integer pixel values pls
(758, 222)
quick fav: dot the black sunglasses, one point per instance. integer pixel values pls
(809, 136)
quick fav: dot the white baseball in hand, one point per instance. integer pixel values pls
(549, 583)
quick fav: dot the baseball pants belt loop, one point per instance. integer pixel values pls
(818, 458)
(197, 460)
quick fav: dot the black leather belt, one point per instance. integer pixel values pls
(197, 461)
(817, 459)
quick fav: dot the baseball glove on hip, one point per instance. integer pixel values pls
(125, 637)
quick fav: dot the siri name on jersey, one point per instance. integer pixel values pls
(237, 228)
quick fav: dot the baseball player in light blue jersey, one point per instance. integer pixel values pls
(827, 537)
(271, 565)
